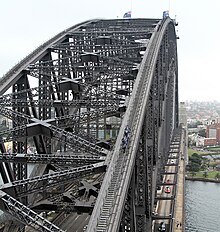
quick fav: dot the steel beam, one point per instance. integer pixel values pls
(26, 215)
(94, 80)
(40, 183)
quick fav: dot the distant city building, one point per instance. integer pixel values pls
(200, 142)
(197, 140)
(182, 114)
(210, 142)
(202, 116)
(193, 130)
(213, 131)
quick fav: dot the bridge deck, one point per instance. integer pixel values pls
(179, 207)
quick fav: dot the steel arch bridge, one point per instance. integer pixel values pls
(91, 113)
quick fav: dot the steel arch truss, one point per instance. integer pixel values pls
(98, 103)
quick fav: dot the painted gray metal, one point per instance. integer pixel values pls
(94, 80)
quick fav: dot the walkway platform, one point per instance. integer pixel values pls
(179, 212)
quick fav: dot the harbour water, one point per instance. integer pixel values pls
(202, 208)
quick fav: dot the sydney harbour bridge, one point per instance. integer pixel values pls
(93, 118)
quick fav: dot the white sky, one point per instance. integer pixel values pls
(25, 24)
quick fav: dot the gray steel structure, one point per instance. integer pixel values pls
(99, 103)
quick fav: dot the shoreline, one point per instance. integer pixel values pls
(194, 178)
(213, 153)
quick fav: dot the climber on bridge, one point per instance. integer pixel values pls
(125, 138)
(127, 131)
(124, 143)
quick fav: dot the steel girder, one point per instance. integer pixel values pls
(51, 158)
(41, 183)
(50, 131)
(108, 212)
(26, 215)
(94, 79)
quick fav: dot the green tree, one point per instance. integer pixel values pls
(205, 174)
(204, 166)
(195, 162)
(202, 133)
(194, 167)
(195, 158)
(193, 173)
(217, 176)
(198, 123)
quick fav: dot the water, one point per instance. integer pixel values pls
(202, 206)
(216, 156)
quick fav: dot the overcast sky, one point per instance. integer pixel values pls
(25, 24)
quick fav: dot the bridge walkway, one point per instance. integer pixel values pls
(179, 218)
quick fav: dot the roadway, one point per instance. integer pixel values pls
(165, 201)
(69, 222)
(170, 196)
(179, 220)
(75, 222)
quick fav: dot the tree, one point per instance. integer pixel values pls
(202, 133)
(194, 167)
(217, 176)
(204, 166)
(205, 174)
(195, 162)
(198, 123)
(195, 158)
(193, 173)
